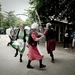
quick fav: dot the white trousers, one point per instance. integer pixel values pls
(73, 42)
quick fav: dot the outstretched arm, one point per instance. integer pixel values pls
(41, 36)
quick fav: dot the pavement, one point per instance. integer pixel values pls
(10, 65)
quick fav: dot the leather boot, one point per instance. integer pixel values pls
(41, 65)
(16, 53)
(28, 65)
(52, 57)
(21, 58)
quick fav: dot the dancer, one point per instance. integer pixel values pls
(20, 42)
(11, 33)
(50, 35)
(33, 53)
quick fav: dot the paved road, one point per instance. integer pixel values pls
(9, 65)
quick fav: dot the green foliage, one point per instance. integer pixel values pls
(58, 9)
(9, 19)
(1, 19)
(36, 3)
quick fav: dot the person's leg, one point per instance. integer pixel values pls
(21, 57)
(28, 65)
(67, 45)
(41, 65)
(67, 42)
(64, 44)
(72, 43)
(52, 56)
(9, 43)
(16, 53)
(21, 52)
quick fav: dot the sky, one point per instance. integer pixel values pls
(15, 5)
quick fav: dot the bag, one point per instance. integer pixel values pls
(66, 34)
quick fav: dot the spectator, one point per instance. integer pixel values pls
(66, 38)
(73, 41)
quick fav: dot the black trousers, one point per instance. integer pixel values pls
(66, 42)
(52, 56)
(11, 41)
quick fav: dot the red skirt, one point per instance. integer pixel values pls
(51, 44)
(33, 53)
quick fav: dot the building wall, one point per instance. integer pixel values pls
(60, 29)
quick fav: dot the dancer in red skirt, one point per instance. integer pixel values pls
(33, 53)
(50, 40)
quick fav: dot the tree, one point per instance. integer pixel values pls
(55, 9)
(1, 19)
(10, 19)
